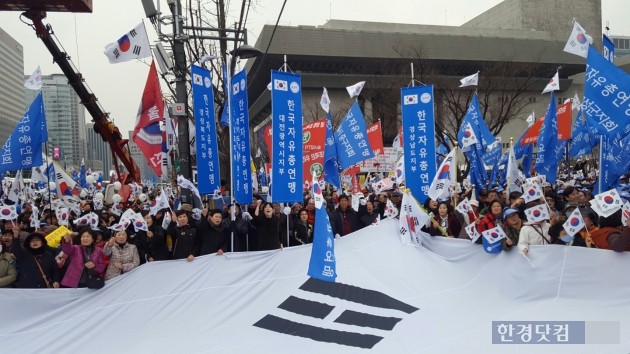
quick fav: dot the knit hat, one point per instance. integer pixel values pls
(509, 211)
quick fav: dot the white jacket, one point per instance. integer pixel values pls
(532, 234)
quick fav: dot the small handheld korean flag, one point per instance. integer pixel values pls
(472, 80)
(390, 210)
(444, 178)
(325, 101)
(62, 216)
(463, 207)
(355, 90)
(574, 223)
(492, 240)
(531, 191)
(469, 138)
(553, 85)
(537, 213)
(531, 119)
(609, 200)
(34, 219)
(472, 232)
(579, 41)
(318, 196)
(598, 210)
(139, 224)
(625, 213)
(8, 212)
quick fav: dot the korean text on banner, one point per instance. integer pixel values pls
(418, 124)
(241, 167)
(314, 144)
(23, 149)
(351, 139)
(286, 106)
(606, 103)
(206, 134)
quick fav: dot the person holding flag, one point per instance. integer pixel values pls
(512, 225)
(535, 231)
(445, 220)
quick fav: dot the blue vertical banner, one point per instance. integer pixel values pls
(23, 149)
(286, 110)
(322, 264)
(331, 166)
(547, 159)
(208, 177)
(608, 49)
(241, 155)
(418, 122)
(352, 140)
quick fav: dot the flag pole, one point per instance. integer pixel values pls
(48, 186)
(509, 178)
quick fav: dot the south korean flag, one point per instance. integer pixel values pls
(609, 201)
(537, 213)
(469, 138)
(531, 192)
(410, 99)
(574, 223)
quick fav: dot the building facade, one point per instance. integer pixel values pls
(99, 154)
(65, 118)
(517, 46)
(12, 103)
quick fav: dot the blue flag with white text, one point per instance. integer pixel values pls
(23, 149)
(606, 103)
(352, 140)
(547, 159)
(583, 138)
(608, 48)
(239, 126)
(418, 122)
(615, 161)
(286, 109)
(208, 172)
(322, 264)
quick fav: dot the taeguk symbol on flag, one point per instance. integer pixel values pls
(411, 99)
(444, 172)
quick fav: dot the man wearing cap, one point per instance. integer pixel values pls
(397, 199)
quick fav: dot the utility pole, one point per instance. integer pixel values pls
(181, 97)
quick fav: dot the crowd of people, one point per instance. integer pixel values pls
(105, 251)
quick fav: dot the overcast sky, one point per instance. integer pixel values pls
(119, 87)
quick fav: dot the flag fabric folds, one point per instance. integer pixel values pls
(351, 139)
(132, 45)
(471, 80)
(513, 176)
(412, 219)
(355, 90)
(579, 41)
(553, 85)
(546, 160)
(34, 82)
(147, 133)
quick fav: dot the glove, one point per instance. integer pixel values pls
(363, 201)
(246, 216)
(286, 210)
(337, 236)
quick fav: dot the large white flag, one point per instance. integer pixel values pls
(34, 82)
(471, 80)
(575, 103)
(513, 174)
(355, 89)
(68, 190)
(16, 188)
(579, 41)
(132, 45)
(412, 219)
(444, 178)
(318, 194)
(161, 202)
(553, 85)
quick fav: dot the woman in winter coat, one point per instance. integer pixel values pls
(123, 256)
(85, 259)
(493, 218)
(302, 230)
(445, 220)
(267, 226)
(158, 250)
(38, 268)
(8, 274)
